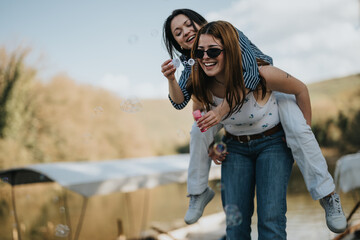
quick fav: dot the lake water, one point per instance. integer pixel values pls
(306, 220)
(41, 210)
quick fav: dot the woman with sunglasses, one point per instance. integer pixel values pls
(179, 33)
(258, 155)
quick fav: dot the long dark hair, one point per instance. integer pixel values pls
(171, 44)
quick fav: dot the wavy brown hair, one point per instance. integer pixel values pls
(234, 80)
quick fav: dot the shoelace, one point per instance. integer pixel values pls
(334, 201)
(193, 199)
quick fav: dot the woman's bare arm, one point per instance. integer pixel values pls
(278, 80)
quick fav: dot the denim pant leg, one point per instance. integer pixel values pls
(199, 165)
(266, 162)
(273, 170)
(238, 188)
(304, 147)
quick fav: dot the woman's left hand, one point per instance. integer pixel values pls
(209, 119)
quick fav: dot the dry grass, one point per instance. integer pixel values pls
(79, 122)
(331, 96)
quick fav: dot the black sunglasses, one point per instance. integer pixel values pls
(211, 52)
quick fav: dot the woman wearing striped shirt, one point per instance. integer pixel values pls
(179, 31)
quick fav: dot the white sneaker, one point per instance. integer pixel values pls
(335, 218)
(197, 205)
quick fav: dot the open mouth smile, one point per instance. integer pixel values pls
(190, 38)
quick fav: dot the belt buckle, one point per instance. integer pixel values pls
(238, 139)
(248, 138)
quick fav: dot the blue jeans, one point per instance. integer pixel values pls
(265, 163)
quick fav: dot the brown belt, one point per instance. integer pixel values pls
(247, 138)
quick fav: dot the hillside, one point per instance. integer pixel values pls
(330, 96)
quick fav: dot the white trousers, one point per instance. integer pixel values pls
(299, 137)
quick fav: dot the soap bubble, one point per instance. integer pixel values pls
(154, 33)
(131, 105)
(62, 230)
(181, 133)
(176, 62)
(220, 148)
(191, 61)
(55, 199)
(62, 209)
(219, 186)
(133, 39)
(98, 110)
(233, 215)
(87, 137)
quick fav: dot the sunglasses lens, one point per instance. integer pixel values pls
(199, 53)
(213, 52)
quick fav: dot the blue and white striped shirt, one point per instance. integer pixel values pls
(249, 53)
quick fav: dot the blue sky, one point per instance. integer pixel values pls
(118, 45)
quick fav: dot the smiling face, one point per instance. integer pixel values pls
(183, 31)
(213, 67)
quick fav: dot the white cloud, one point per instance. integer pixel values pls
(128, 88)
(313, 40)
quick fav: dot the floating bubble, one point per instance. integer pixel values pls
(56, 199)
(62, 230)
(233, 215)
(176, 62)
(181, 133)
(219, 186)
(220, 148)
(133, 39)
(87, 136)
(191, 61)
(131, 105)
(98, 110)
(62, 209)
(154, 33)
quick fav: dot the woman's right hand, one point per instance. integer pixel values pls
(168, 69)
(217, 159)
